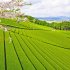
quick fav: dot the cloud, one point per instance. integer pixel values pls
(44, 8)
(33, 1)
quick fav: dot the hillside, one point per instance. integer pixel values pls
(29, 46)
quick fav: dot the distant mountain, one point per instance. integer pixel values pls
(60, 18)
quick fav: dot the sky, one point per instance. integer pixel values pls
(46, 8)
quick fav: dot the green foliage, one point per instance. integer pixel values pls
(65, 25)
(33, 49)
(36, 21)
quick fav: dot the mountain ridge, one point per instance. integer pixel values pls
(56, 18)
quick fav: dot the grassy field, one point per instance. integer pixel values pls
(28, 46)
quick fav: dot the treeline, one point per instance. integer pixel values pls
(37, 21)
(64, 25)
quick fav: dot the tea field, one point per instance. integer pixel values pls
(28, 46)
